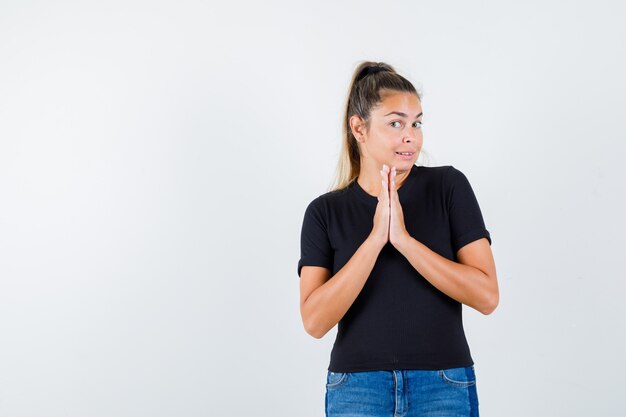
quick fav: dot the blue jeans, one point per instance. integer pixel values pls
(402, 393)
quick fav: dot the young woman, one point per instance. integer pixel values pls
(390, 254)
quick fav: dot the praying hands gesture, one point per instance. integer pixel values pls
(388, 218)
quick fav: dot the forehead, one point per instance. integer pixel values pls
(400, 101)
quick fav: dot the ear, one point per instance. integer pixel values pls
(358, 127)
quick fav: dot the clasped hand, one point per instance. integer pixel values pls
(388, 218)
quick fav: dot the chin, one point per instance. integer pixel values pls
(402, 165)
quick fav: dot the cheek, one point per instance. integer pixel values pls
(382, 145)
(420, 138)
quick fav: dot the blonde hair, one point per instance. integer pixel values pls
(368, 82)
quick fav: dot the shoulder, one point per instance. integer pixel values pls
(446, 178)
(329, 198)
(453, 176)
(321, 204)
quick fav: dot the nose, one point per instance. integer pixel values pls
(409, 135)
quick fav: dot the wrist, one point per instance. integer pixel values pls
(402, 241)
(376, 241)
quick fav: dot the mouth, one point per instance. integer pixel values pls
(405, 153)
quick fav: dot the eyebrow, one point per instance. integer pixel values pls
(399, 113)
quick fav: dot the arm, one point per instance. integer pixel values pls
(323, 304)
(472, 282)
(324, 300)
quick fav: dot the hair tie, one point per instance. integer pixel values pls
(370, 70)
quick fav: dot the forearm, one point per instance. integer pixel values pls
(329, 303)
(464, 283)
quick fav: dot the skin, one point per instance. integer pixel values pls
(394, 126)
(324, 299)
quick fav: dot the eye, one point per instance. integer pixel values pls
(417, 124)
(392, 123)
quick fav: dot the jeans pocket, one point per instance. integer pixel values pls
(335, 379)
(459, 377)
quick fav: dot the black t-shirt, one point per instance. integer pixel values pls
(399, 320)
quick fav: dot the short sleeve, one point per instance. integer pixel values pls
(466, 220)
(315, 248)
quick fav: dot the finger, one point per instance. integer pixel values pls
(388, 172)
(387, 182)
(383, 184)
(388, 176)
(394, 197)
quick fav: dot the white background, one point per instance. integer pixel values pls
(156, 159)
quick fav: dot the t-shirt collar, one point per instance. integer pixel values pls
(372, 201)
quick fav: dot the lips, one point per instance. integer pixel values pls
(405, 153)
